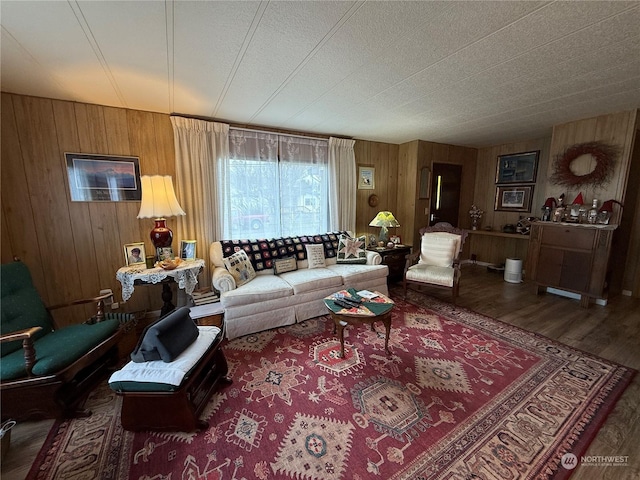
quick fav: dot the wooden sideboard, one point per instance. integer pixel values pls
(571, 257)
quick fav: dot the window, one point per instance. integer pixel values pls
(273, 186)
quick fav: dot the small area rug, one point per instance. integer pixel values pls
(462, 396)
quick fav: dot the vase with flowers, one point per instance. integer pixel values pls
(476, 215)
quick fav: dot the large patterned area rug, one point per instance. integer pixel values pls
(463, 396)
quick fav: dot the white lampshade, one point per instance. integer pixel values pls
(158, 197)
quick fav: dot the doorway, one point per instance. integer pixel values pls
(445, 193)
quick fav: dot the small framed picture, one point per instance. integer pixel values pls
(188, 249)
(514, 199)
(366, 177)
(164, 253)
(395, 239)
(134, 254)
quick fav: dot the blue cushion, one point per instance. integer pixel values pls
(167, 338)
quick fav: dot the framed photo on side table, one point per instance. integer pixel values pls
(188, 249)
(513, 198)
(134, 254)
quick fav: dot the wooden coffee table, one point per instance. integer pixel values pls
(379, 311)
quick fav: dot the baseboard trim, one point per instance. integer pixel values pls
(576, 296)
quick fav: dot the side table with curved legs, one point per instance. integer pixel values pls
(185, 275)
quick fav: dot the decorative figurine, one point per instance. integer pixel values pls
(606, 211)
(549, 204)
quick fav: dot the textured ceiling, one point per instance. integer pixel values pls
(467, 73)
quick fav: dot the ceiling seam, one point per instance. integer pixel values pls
(169, 14)
(337, 83)
(431, 65)
(84, 25)
(34, 59)
(257, 18)
(344, 19)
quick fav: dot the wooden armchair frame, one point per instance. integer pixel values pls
(57, 395)
(413, 259)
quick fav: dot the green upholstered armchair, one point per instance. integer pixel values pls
(44, 371)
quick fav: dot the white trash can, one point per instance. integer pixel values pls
(513, 270)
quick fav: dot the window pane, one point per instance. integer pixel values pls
(273, 186)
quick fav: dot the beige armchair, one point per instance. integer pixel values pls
(437, 264)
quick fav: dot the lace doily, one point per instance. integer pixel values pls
(185, 275)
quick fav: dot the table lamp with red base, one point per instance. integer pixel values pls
(159, 201)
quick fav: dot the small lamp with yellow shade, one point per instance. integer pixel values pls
(384, 220)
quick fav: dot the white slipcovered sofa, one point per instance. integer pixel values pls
(270, 300)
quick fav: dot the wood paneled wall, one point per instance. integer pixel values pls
(485, 182)
(413, 212)
(383, 157)
(618, 129)
(615, 129)
(73, 249)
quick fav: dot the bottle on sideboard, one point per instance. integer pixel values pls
(592, 216)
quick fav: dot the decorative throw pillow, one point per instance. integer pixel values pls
(315, 255)
(260, 252)
(167, 338)
(240, 268)
(438, 250)
(284, 265)
(351, 250)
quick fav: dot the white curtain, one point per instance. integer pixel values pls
(342, 198)
(199, 146)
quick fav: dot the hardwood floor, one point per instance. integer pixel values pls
(612, 332)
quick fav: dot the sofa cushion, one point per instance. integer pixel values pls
(315, 255)
(239, 266)
(359, 273)
(262, 288)
(58, 349)
(351, 250)
(167, 338)
(431, 274)
(284, 265)
(307, 280)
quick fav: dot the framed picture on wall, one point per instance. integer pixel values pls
(103, 178)
(517, 167)
(366, 177)
(514, 198)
